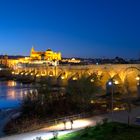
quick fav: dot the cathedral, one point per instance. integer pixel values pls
(48, 55)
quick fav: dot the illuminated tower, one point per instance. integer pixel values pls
(32, 50)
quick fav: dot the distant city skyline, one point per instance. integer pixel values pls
(76, 28)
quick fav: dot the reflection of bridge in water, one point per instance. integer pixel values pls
(12, 90)
(61, 74)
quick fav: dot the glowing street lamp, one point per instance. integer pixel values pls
(112, 83)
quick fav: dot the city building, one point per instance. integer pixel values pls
(48, 55)
(71, 61)
(37, 58)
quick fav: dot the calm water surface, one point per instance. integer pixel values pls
(12, 93)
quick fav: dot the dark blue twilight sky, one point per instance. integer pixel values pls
(80, 28)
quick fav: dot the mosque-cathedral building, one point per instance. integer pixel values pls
(37, 58)
(48, 55)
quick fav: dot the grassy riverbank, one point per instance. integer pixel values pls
(106, 131)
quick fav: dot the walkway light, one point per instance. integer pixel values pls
(116, 82)
(92, 102)
(62, 77)
(74, 78)
(116, 109)
(138, 78)
(37, 75)
(13, 72)
(92, 80)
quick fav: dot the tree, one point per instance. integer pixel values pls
(82, 91)
(37, 102)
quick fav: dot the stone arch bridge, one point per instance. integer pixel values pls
(119, 72)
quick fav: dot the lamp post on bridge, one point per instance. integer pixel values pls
(112, 83)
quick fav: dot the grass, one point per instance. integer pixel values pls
(106, 131)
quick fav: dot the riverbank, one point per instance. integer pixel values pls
(47, 132)
(5, 116)
(11, 96)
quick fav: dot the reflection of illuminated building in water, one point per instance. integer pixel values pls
(11, 90)
(11, 83)
(12, 93)
(16, 94)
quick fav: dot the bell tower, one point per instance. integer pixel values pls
(32, 51)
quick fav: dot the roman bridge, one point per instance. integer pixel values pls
(61, 74)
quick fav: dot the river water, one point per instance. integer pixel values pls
(12, 93)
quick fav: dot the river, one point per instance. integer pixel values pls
(12, 93)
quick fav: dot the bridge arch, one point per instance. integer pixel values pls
(130, 75)
(105, 76)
